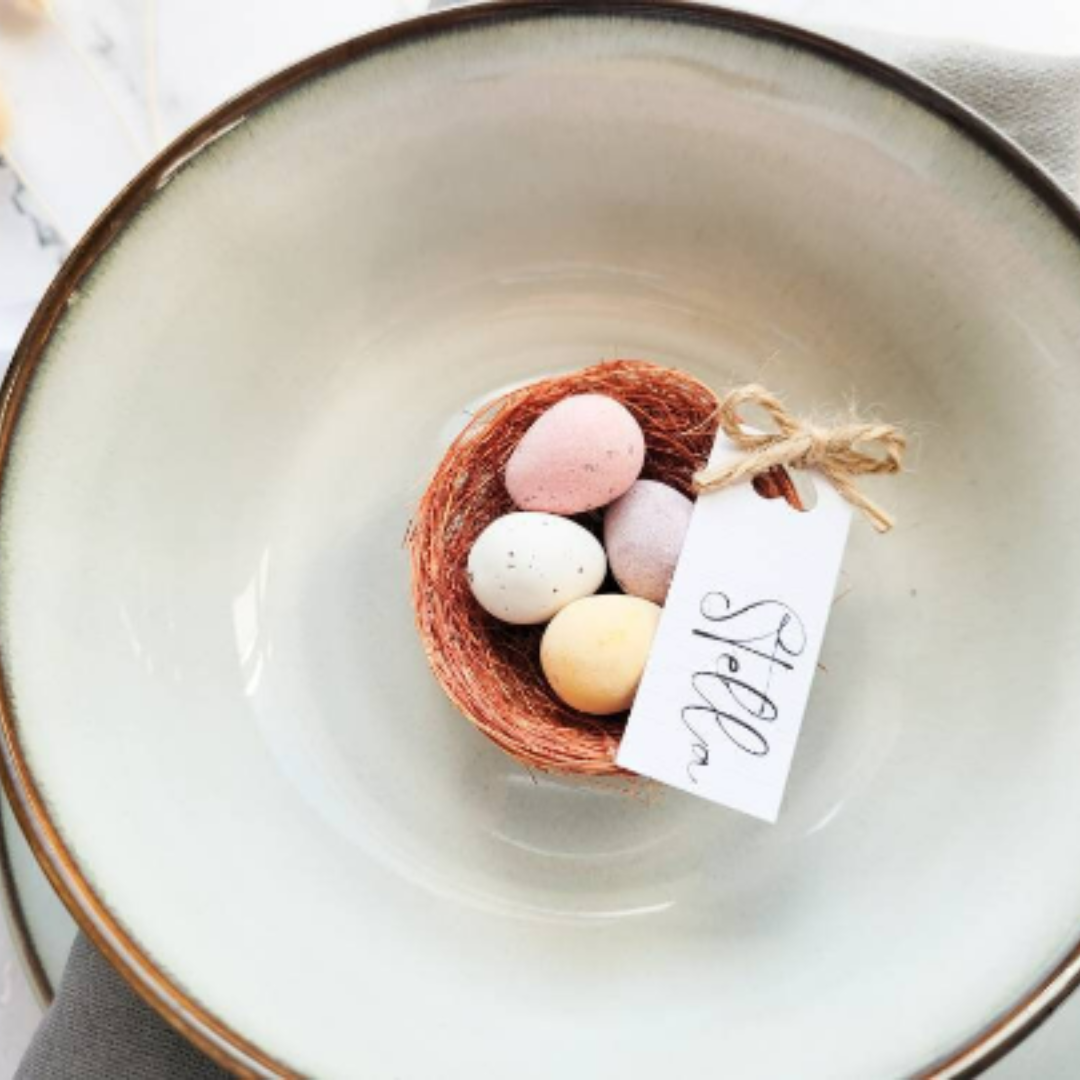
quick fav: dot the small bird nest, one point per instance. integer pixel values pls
(490, 670)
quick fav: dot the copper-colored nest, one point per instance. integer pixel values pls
(491, 671)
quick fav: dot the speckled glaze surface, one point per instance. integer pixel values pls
(218, 725)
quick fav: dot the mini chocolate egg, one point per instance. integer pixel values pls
(644, 533)
(594, 651)
(582, 453)
(523, 568)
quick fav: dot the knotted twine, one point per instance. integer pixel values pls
(841, 454)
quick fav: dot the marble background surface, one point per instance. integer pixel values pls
(94, 87)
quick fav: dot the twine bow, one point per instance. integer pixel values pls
(840, 454)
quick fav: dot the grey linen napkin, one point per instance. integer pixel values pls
(97, 1029)
(1035, 99)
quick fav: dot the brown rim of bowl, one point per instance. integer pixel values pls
(19, 925)
(225, 1046)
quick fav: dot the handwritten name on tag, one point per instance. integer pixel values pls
(721, 703)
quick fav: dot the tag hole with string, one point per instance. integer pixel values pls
(795, 485)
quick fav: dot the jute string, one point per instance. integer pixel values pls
(841, 454)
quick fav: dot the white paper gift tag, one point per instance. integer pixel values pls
(722, 699)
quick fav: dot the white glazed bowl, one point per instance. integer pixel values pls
(220, 732)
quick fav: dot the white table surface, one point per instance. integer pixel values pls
(97, 87)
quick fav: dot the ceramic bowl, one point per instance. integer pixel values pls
(38, 924)
(219, 729)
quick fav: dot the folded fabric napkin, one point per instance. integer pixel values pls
(1035, 99)
(97, 1029)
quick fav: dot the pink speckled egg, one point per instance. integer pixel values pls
(582, 453)
(644, 533)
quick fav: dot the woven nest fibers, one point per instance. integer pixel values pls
(490, 670)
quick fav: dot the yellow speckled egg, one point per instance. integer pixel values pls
(594, 651)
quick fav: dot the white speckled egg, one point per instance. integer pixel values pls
(594, 652)
(526, 567)
(644, 533)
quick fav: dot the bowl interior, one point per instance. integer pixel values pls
(205, 625)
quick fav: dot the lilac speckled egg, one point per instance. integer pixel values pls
(582, 453)
(644, 533)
